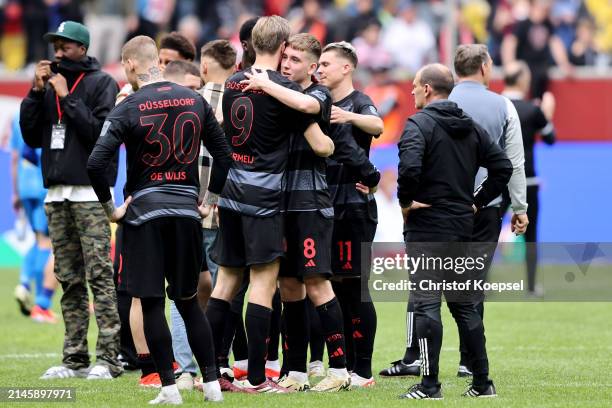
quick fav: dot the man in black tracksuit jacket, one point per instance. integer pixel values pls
(64, 114)
(440, 152)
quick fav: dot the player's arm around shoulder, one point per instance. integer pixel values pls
(287, 96)
(365, 117)
(319, 142)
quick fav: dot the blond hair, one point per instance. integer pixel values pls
(307, 43)
(269, 34)
(345, 50)
(140, 48)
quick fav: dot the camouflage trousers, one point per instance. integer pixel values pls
(80, 233)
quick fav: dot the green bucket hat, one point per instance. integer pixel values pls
(70, 30)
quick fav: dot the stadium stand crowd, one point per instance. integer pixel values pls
(396, 35)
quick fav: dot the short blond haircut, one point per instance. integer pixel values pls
(140, 48)
(307, 43)
(269, 34)
(344, 50)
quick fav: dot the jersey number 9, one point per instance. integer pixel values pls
(242, 119)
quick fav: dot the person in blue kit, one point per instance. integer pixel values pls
(29, 194)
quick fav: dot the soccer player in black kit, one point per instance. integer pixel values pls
(251, 229)
(308, 224)
(355, 211)
(162, 125)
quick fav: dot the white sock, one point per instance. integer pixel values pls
(241, 364)
(316, 363)
(273, 365)
(298, 376)
(338, 372)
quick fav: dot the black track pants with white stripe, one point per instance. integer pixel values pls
(429, 333)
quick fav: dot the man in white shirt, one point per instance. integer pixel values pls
(409, 40)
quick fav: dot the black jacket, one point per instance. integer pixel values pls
(84, 112)
(440, 152)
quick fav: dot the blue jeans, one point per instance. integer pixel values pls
(180, 344)
(210, 235)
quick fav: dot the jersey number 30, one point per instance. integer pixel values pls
(186, 121)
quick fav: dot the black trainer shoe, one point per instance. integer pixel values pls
(485, 392)
(419, 391)
(400, 369)
(464, 371)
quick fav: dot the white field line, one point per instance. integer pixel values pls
(25, 356)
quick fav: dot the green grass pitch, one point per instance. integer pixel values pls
(541, 355)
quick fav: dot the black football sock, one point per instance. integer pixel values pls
(257, 328)
(217, 312)
(158, 337)
(344, 300)
(199, 336)
(284, 366)
(146, 364)
(316, 339)
(239, 344)
(330, 314)
(126, 342)
(296, 336)
(228, 337)
(275, 322)
(364, 322)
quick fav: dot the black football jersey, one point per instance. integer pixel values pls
(258, 129)
(162, 126)
(350, 163)
(306, 184)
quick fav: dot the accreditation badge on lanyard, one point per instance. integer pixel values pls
(58, 130)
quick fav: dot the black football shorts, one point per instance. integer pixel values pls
(309, 237)
(162, 249)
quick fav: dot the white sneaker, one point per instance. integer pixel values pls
(359, 382)
(295, 381)
(168, 395)
(99, 372)
(336, 380)
(212, 391)
(24, 299)
(185, 382)
(316, 369)
(58, 372)
(227, 373)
